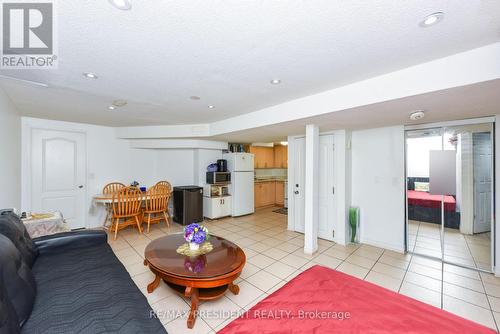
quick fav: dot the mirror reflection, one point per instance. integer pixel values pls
(468, 213)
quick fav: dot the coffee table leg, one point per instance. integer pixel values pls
(235, 289)
(193, 293)
(153, 285)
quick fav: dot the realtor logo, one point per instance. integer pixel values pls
(28, 35)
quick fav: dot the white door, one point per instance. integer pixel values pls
(482, 155)
(58, 160)
(242, 185)
(298, 182)
(326, 210)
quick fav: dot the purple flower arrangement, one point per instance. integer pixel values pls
(195, 234)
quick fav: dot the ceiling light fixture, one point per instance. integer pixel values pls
(432, 19)
(211, 107)
(284, 143)
(417, 114)
(194, 97)
(119, 103)
(90, 75)
(275, 82)
(121, 4)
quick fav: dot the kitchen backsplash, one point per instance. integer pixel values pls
(269, 172)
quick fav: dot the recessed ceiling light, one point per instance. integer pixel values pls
(111, 107)
(194, 97)
(119, 103)
(275, 82)
(121, 4)
(211, 107)
(432, 19)
(417, 114)
(90, 75)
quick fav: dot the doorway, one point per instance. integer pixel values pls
(455, 226)
(58, 174)
(326, 202)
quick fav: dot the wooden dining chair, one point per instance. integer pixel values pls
(168, 186)
(110, 189)
(157, 198)
(126, 205)
(165, 184)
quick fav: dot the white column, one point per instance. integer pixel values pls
(311, 190)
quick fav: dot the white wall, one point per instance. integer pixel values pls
(378, 185)
(10, 154)
(175, 166)
(111, 159)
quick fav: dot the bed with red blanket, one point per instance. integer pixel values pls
(425, 207)
(424, 199)
(322, 300)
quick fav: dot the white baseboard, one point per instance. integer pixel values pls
(392, 247)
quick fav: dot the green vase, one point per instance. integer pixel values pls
(353, 221)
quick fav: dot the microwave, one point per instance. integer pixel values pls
(218, 177)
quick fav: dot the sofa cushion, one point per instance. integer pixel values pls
(8, 317)
(18, 280)
(13, 228)
(87, 290)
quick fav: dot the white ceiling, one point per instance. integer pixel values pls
(161, 52)
(472, 101)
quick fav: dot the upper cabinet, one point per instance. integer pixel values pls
(280, 156)
(270, 157)
(264, 156)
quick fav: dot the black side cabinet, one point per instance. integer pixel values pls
(188, 204)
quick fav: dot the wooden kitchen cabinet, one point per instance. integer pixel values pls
(279, 193)
(267, 193)
(280, 156)
(264, 193)
(263, 156)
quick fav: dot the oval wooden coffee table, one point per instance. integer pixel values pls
(203, 277)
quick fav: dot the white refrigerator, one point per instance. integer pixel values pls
(242, 182)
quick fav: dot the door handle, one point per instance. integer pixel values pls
(296, 192)
(80, 186)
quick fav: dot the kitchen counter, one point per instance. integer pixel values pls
(269, 179)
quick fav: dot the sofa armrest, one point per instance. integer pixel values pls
(69, 240)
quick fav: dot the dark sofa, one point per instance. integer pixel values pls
(66, 283)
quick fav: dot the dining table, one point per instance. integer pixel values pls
(106, 200)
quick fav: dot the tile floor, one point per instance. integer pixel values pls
(470, 250)
(274, 256)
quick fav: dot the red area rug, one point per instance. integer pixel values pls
(322, 300)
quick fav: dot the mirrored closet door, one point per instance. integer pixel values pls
(449, 194)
